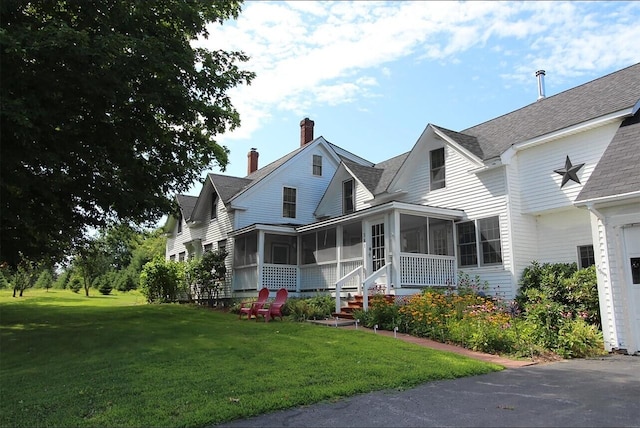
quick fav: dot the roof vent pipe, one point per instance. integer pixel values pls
(540, 75)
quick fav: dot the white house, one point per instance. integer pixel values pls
(555, 181)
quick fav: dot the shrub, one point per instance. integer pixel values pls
(578, 339)
(75, 284)
(161, 281)
(104, 285)
(311, 308)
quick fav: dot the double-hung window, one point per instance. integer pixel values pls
(347, 197)
(586, 256)
(289, 202)
(479, 243)
(317, 165)
(437, 168)
(214, 205)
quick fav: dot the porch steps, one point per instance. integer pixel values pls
(356, 304)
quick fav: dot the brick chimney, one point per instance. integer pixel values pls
(252, 161)
(306, 131)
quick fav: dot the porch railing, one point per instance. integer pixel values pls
(423, 270)
(369, 283)
(357, 272)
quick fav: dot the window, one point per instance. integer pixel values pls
(180, 222)
(214, 205)
(289, 202)
(181, 256)
(467, 252)
(479, 244)
(437, 168)
(222, 245)
(586, 257)
(489, 229)
(208, 247)
(317, 165)
(347, 196)
(172, 257)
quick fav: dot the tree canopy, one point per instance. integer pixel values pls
(107, 110)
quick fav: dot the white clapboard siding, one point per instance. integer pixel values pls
(560, 234)
(540, 185)
(523, 227)
(264, 200)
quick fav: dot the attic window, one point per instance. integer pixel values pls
(289, 202)
(180, 222)
(347, 197)
(214, 205)
(317, 165)
(437, 168)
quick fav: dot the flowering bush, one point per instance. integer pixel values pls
(549, 317)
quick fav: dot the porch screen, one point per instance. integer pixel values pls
(318, 247)
(280, 249)
(352, 241)
(246, 250)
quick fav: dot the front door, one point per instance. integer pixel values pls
(375, 246)
(632, 271)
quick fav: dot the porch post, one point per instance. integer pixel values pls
(260, 257)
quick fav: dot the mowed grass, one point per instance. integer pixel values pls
(72, 361)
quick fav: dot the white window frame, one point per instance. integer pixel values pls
(593, 255)
(344, 197)
(287, 203)
(440, 183)
(316, 168)
(479, 241)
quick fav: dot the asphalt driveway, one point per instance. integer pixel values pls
(603, 392)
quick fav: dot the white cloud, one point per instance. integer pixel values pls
(323, 53)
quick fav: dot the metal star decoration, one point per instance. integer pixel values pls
(569, 172)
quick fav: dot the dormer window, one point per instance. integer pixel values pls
(214, 205)
(347, 197)
(437, 168)
(317, 165)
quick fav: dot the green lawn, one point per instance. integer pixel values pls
(68, 360)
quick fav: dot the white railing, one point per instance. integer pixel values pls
(427, 270)
(356, 272)
(369, 283)
(275, 277)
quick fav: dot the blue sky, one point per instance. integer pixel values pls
(372, 75)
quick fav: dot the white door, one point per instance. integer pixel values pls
(632, 262)
(376, 250)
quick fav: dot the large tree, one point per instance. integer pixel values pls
(107, 109)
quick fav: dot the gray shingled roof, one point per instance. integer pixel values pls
(228, 186)
(611, 93)
(466, 141)
(367, 175)
(186, 203)
(618, 171)
(378, 177)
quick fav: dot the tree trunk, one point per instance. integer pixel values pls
(14, 291)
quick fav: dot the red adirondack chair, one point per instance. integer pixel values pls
(274, 309)
(252, 309)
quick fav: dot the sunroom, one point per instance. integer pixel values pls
(397, 248)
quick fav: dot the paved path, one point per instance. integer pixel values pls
(600, 392)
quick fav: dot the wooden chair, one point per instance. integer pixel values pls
(274, 309)
(252, 309)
